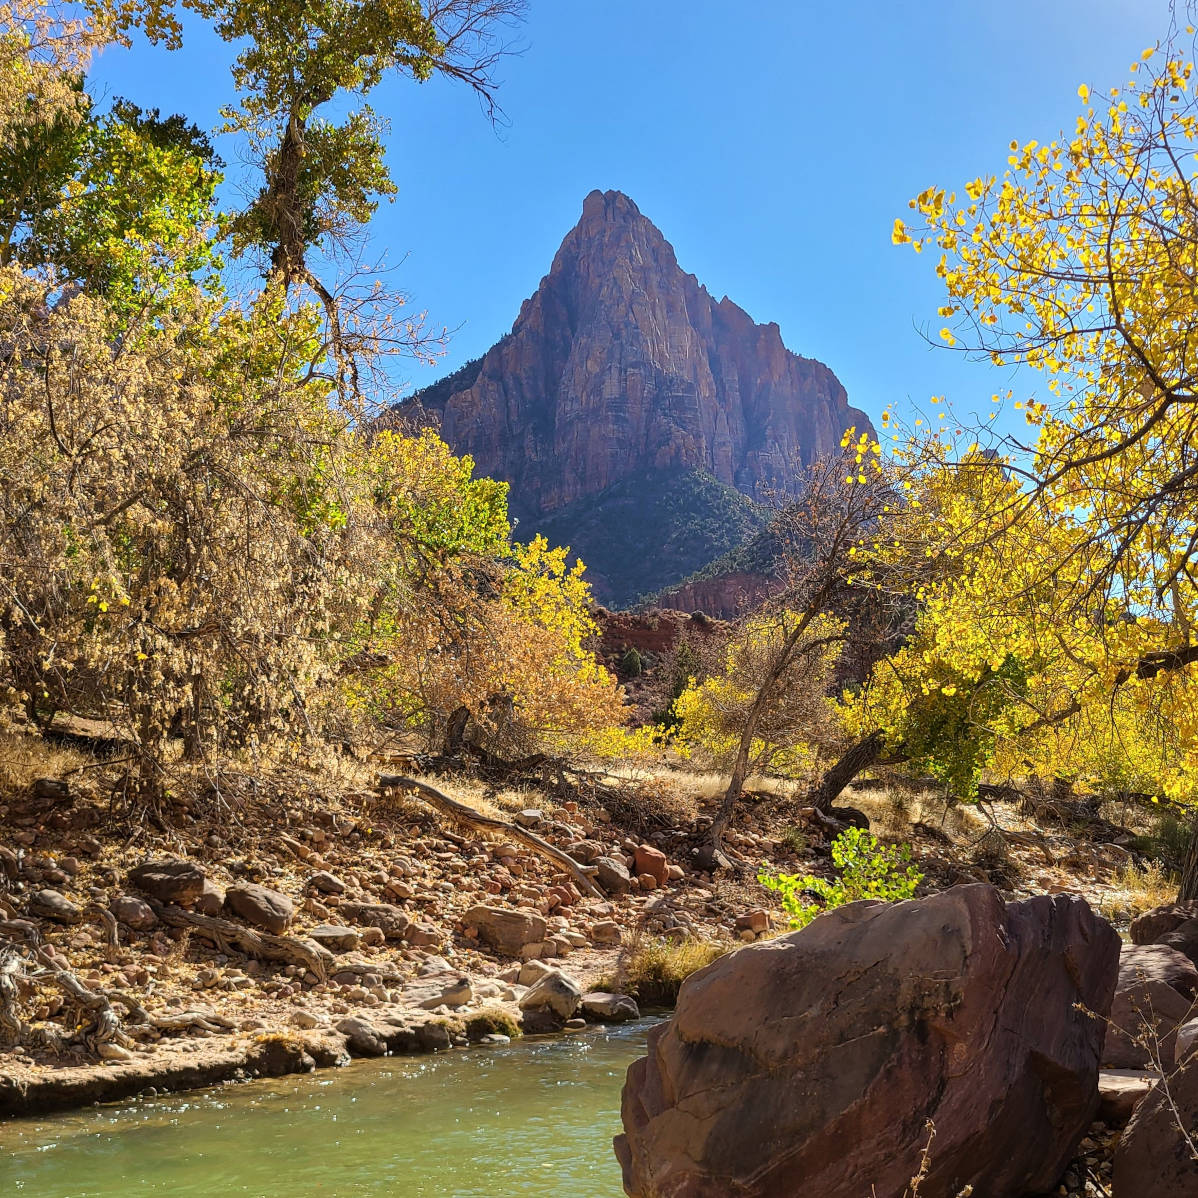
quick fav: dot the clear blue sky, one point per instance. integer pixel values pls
(773, 143)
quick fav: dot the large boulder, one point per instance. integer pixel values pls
(261, 906)
(506, 929)
(1183, 938)
(180, 882)
(1156, 989)
(1160, 921)
(1155, 1158)
(811, 1064)
(550, 1002)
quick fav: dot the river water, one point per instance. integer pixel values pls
(531, 1120)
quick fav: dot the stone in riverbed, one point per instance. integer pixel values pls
(261, 906)
(363, 1038)
(810, 1064)
(179, 882)
(553, 999)
(612, 875)
(611, 1008)
(393, 922)
(507, 929)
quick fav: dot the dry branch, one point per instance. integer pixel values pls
(490, 823)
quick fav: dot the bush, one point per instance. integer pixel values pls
(489, 1021)
(868, 871)
(631, 664)
(654, 970)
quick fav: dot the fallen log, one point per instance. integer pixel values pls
(490, 823)
(227, 935)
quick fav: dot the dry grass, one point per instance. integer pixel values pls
(1137, 889)
(653, 969)
(25, 757)
(488, 1021)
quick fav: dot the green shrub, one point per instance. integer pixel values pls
(868, 870)
(631, 664)
(654, 970)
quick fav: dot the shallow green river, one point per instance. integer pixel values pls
(533, 1120)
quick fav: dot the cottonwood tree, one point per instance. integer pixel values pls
(1080, 261)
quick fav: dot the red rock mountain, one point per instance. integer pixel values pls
(623, 369)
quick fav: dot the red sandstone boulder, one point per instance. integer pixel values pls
(653, 862)
(1160, 921)
(1156, 989)
(1154, 1159)
(808, 1066)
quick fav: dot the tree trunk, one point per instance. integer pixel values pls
(858, 757)
(1189, 873)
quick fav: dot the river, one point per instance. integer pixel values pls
(530, 1120)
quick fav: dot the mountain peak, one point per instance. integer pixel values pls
(621, 367)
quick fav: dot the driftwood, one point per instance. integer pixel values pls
(474, 819)
(227, 935)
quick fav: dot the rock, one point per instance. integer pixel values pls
(809, 1064)
(393, 922)
(1183, 938)
(1187, 1037)
(582, 394)
(326, 883)
(49, 904)
(506, 929)
(107, 1051)
(422, 935)
(646, 881)
(134, 913)
(1120, 1091)
(585, 851)
(305, 1019)
(612, 875)
(453, 992)
(363, 1038)
(653, 862)
(179, 882)
(556, 993)
(1156, 989)
(261, 906)
(530, 818)
(1152, 925)
(531, 972)
(753, 921)
(1152, 1158)
(336, 938)
(611, 1008)
(606, 931)
(211, 900)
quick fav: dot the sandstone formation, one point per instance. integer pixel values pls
(623, 367)
(809, 1065)
(1154, 1158)
(1156, 989)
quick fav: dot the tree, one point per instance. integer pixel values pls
(1081, 262)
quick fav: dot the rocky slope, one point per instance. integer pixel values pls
(623, 367)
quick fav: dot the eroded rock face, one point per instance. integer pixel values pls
(621, 366)
(809, 1065)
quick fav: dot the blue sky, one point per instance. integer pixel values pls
(773, 144)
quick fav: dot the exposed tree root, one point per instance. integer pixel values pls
(488, 823)
(265, 946)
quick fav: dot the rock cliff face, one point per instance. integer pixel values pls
(622, 365)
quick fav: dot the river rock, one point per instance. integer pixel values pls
(612, 875)
(653, 862)
(606, 931)
(49, 904)
(261, 906)
(1152, 925)
(1152, 1159)
(134, 913)
(554, 994)
(326, 883)
(1120, 1091)
(336, 938)
(1156, 988)
(179, 882)
(611, 1008)
(392, 921)
(506, 929)
(362, 1037)
(810, 1064)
